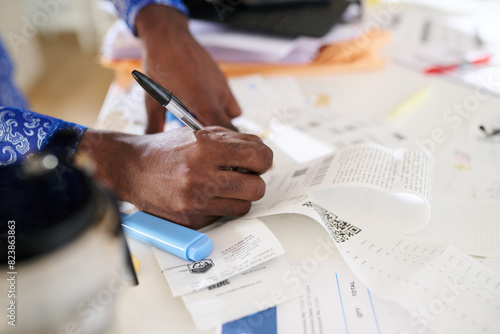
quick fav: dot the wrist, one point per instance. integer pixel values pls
(110, 154)
(156, 23)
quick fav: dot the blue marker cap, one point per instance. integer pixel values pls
(170, 237)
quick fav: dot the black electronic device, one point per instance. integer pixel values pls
(292, 18)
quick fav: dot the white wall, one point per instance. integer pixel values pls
(22, 20)
(24, 49)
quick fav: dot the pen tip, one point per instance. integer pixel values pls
(160, 94)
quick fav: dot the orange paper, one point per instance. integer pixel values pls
(356, 55)
(360, 54)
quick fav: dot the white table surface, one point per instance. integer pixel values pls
(150, 307)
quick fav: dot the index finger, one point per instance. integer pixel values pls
(243, 151)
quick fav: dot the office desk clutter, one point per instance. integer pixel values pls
(346, 48)
(404, 186)
(328, 164)
(457, 43)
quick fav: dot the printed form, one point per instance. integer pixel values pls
(336, 301)
(443, 289)
(436, 287)
(266, 285)
(238, 246)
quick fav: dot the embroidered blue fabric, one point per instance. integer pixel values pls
(23, 132)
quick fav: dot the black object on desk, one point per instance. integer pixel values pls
(291, 18)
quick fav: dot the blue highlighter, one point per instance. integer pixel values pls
(170, 237)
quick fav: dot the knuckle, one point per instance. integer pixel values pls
(258, 190)
(236, 208)
(268, 157)
(243, 208)
(255, 138)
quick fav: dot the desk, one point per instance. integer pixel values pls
(150, 307)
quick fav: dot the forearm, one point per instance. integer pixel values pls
(111, 155)
(157, 24)
(128, 9)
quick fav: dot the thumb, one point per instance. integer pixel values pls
(232, 108)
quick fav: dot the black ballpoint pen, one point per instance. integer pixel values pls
(167, 100)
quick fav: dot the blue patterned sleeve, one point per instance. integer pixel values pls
(128, 9)
(24, 132)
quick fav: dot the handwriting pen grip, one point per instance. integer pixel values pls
(183, 115)
(167, 100)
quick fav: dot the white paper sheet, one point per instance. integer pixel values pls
(485, 147)
(470, 225)
(222, 43)
(453, 176)
(493, 263)
(266, 285)
(441, 287)
(393, 186)
(336, 301)
(237, 246)
(340, 131)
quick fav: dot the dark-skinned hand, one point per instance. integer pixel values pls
(181, 175)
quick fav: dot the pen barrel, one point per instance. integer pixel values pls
(180, 111)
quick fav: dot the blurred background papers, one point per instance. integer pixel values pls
(226, 44)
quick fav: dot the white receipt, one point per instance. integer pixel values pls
(441, 287)
(238, 246)
(470, 225)
(254, 290)
(380, 168)
(392, 185)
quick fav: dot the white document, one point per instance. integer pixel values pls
(222, 43)
(262, 100)
(493, 263)
(266, 285)
(470, 225)
(394, 186)
(453, 176)
(336, 301)
(485, 147)
(340, 131)
(237, 246)
(442, 288)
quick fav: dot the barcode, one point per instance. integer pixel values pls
(300, 172)
(218, 285)
(321, 172)
(340, 230)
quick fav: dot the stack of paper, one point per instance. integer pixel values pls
(243, 275)
(225, 44)
(371, 192)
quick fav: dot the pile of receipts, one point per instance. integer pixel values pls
(371, 191)
(404, 221)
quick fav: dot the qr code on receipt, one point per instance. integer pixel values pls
(340, 230)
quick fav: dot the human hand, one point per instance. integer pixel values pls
(181, 175)
(175, 60)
